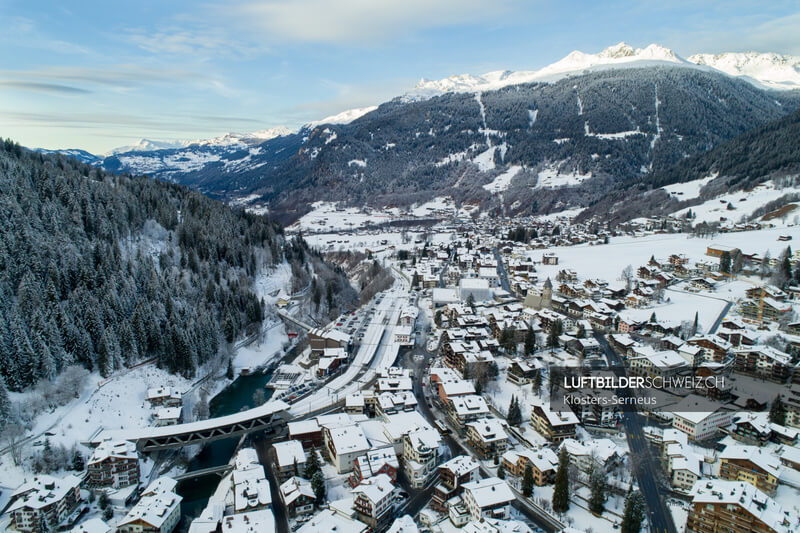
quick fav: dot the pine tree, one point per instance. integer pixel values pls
(527, 481)
(530, 341)
(561, 488)
(312, 465)
(777, 413)
(725, 262)
(5, 405)
(318, 485)
(78, 463)
(598, 486)
(537, 382)
(229, 372)
(501, 470)
(634, 513)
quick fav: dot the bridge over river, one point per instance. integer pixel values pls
(159, 438)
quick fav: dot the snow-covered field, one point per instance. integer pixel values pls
(501, 182)
(688, 190)
(743, 203)
(551, 178)
(608, 261)
(328, 216)
(331, 242)
(117, 402)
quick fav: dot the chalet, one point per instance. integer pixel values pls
(488, 437)
(157, 512)
(374, 500)
(716, 250)
(522, 372)
(554, 426)
(716, 348)
(452, 476)
(750, 464)
(44, 502)
(465, 409)
(719, 505)
(290, 458)
(308, 432)
(298, 496)
(764, 361)
(488, 498)
(543, 462)
(164, 397)
(114, 464)
(381, 460)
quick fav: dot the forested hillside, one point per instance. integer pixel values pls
(566, 143)
(767, 152)
(104, 270)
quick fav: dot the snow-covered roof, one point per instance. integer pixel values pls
(348, 439)
(327, 520)
(750, 499)
(42, 491)
(469, 404)
(489, 429)
(117, 449)
(376, 488)
(543, 459)
(303, 427)
(153, 509)
(93, 525)
(461, 465)
(295, 487)
(252, 522)
(758, 456)
(289, 452)
(490, 491)
(162, 484)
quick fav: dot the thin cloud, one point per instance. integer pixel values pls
(200, 43)
(359, 21)
(52, 88)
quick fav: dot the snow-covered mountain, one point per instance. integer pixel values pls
(766, 70)
(148, 145)
(81, 155)
(774, 71)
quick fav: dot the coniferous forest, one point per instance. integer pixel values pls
(104, 271)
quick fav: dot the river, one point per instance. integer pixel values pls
(234, 398)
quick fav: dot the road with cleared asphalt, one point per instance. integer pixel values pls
(646, 468)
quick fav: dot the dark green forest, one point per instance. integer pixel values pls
(104, 271)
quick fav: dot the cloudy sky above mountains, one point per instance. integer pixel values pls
(96, 75)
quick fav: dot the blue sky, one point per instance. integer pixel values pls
(97, 75)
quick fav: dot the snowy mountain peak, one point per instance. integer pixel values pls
(772, 70)
(762, 69)
(622, 49)
(149, 145)
(621, 54)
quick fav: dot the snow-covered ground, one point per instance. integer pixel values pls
(552, 178)
(115, 403)
(329, 216)
(607, 261)
(501, 182)
(118, 402)
(743, 203)
(331, 242)
(688, 190)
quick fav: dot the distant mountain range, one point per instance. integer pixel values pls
(556, 137)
